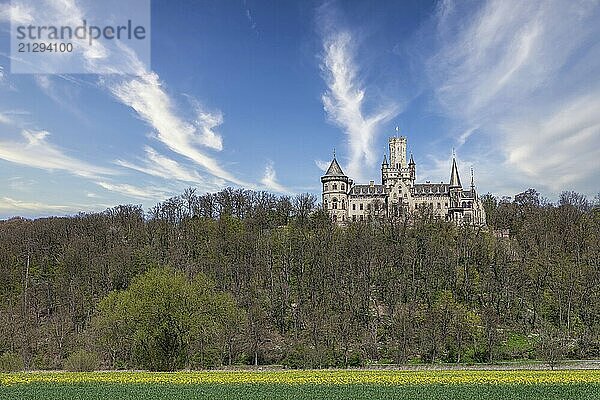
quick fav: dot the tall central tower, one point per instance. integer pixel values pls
(398, 152)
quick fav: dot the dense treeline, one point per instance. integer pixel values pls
(241, 277)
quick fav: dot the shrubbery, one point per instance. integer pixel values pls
(82, 361)
(10, 362)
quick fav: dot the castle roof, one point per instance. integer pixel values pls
(454, 178)
(334, 169)
(368, 190)
(424, 189)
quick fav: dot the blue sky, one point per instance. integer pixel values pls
(257, 94)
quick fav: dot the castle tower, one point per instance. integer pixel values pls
(398, 152)
(454, 178)
(412, 167)
(455, 187)
(336, 186)
(384, 169)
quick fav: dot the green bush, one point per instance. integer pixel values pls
(11, 362)
(81, 361)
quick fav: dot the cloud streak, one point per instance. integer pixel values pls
(524, 74)
(146, 95)
(270, 182)
(146, 193)
(344, 102)
(37, 152)
(158, 165)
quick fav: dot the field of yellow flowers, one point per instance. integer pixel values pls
(304, 384)
(319, 377)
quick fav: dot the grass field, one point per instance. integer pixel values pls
(327, 384)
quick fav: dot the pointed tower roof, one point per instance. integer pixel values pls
(384, 160)
(334, 169)
(411, 159)
(454, 178)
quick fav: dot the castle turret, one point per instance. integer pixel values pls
(456, 211)
(336, 186)
(384, 169)
(412, 167)
(454, 178)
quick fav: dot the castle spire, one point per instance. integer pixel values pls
(334, 169)
(472, 181)
(454, 178)
(384, 160)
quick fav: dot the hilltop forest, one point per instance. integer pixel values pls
(249, 278)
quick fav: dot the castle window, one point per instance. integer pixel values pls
(325, 204)
(354, 207)
(439, 205)
(334, 203)
(354, 218)
(361, 206)
(464, 205)
(343, 204)
(343, 186)
(334, 218)
(325, 187)
(335, 186)
(362, 218)
(446, 205)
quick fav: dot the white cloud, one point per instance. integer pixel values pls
(146, 95)
(16, 13)
(5, 119)
(163, 167)
(206, 123)
(270, 182)
(10, 207)
(525, 75)
(322, 165)
(149, 193)
(37, 152)
(344, 102)
(9, 204)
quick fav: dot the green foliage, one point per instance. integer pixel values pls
(299, 392)
(301, 291)
(518, 346)
(82, 361)
(10, 362)
(164, 321)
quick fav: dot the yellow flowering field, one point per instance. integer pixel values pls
(320, 377)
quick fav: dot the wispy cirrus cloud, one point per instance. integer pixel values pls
(344, 101)
(11, 206)
(146, 94)
(147, 193)
(37, 152)
(269, 180)
(5, 119)
(16, 12)
(158, 165)
(525, 75)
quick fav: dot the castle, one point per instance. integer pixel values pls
(398, 193)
